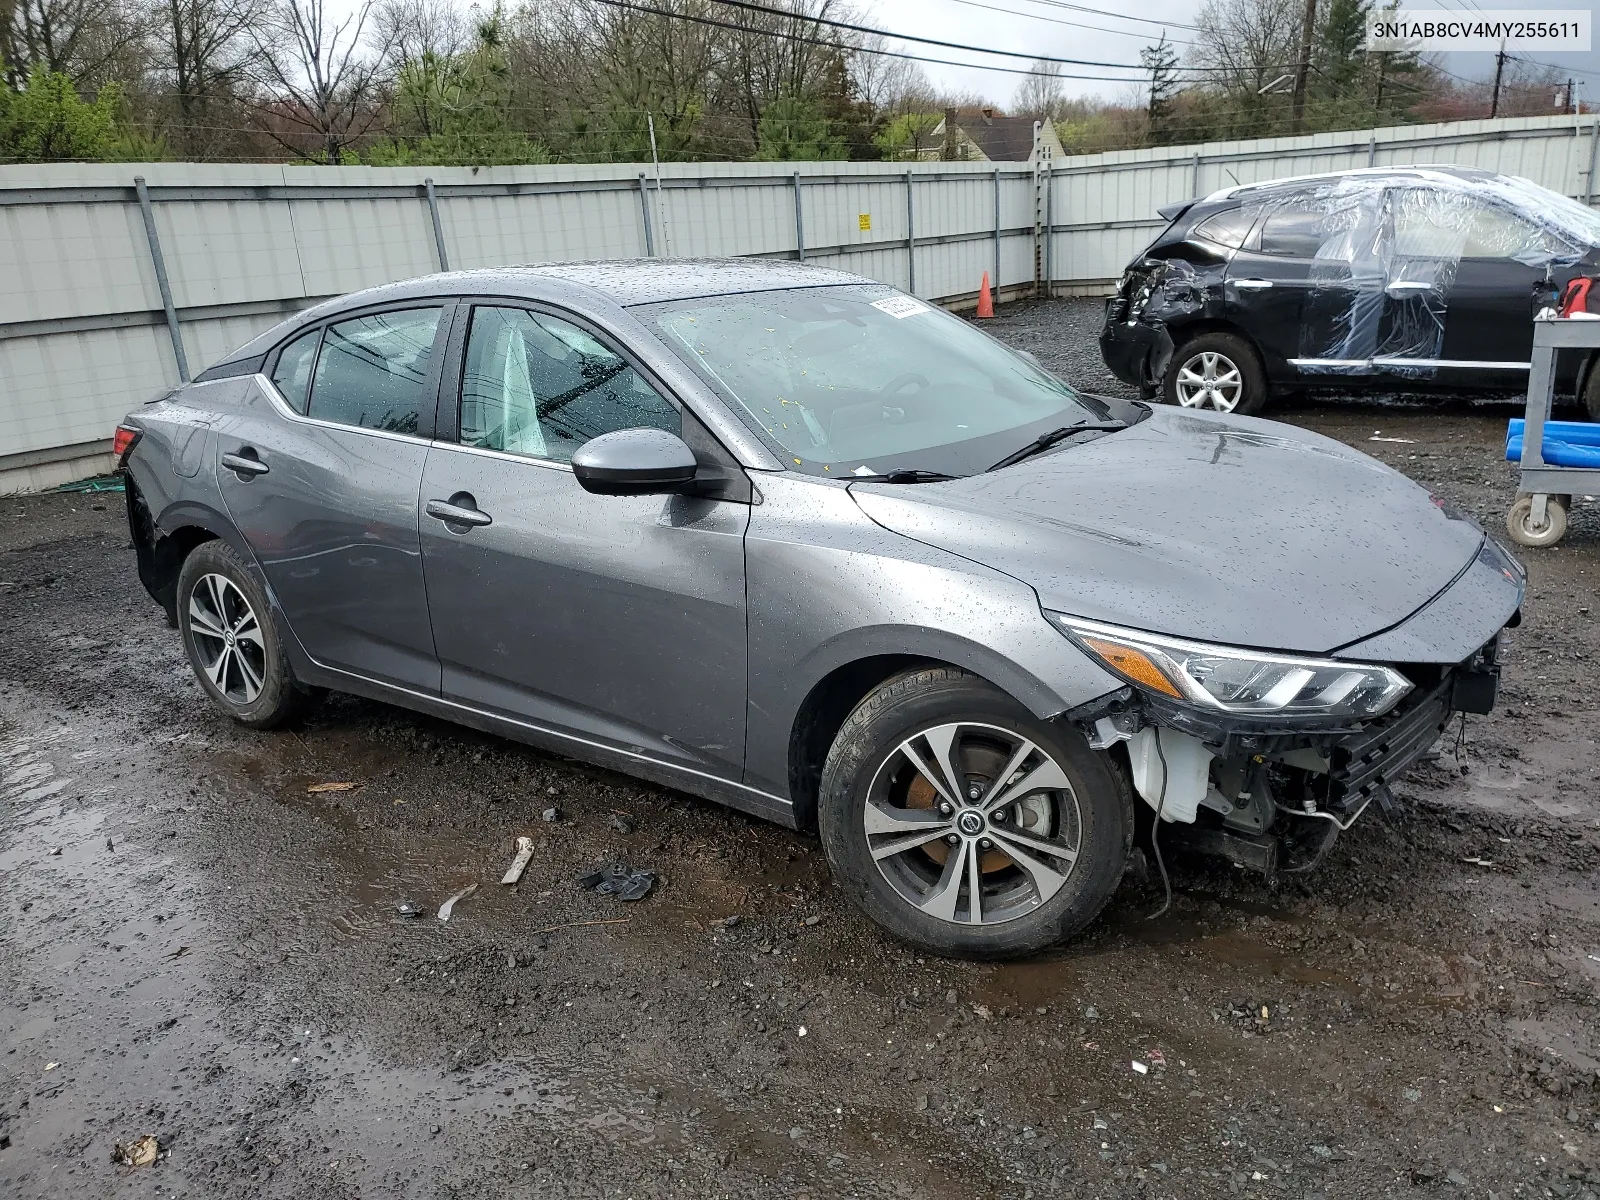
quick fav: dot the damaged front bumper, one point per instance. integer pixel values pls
(1135, 351)
(1274, 796)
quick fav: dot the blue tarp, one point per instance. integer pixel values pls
(1566, 443)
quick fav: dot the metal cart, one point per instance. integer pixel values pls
(1539, 515)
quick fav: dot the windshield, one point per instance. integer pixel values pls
(864, 380)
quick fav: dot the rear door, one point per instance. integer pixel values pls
(322, 477)
(617, 620)
(1467, 277)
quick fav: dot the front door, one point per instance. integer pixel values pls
(322, 479)
(1299, 289)
(618, 620)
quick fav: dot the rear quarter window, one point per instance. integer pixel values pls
(1227, 228)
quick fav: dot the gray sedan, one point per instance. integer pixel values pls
(793, 541)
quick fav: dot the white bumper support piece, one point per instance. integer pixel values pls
(1172, 774)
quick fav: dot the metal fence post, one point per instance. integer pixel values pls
(438, 230)
(161, 277)
(1049, 232)
(644, 209)
(1194, 187)
(997, 231)
(911, 236)
(799, 221)
(1594, 145)
(1372, 150)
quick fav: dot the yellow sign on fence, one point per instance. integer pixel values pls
(864, 220)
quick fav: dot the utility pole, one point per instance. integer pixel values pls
(1499, 70)
(1302, 70)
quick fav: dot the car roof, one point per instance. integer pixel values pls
(1424, 174)
(623, 282)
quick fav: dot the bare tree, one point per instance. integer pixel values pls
(410, 30)
(1041, 94)
(1246, 44)
(323, 74)
(205, 49)
(87, 40)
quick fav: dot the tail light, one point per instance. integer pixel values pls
(126, 437)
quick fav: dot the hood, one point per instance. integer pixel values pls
(1201, 525)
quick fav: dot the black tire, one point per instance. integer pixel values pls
(866, 762)
(1591, 393)
(257, 687)
(1252, 396)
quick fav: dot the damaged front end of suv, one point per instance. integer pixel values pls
(1265, 759)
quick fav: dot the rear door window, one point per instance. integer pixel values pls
(374, 371)
(1294, 229)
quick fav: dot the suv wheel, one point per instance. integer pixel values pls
(1218, 371)
(965, 825)
(231, 641)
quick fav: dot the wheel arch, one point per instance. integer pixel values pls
(838, 689)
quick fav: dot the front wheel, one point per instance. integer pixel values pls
(1219, 371)
(963, 824)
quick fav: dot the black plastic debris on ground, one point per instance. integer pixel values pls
(620, 880)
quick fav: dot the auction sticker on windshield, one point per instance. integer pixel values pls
(900, 306)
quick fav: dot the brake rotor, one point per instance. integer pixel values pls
(1031, 814)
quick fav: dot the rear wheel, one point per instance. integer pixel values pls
(965, 825)
(1591, 393)
(233, 646)
(1219, 371)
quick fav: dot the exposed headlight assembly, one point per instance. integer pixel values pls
(1232, 680)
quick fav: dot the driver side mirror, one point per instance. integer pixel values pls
(635, 462)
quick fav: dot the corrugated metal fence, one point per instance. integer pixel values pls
(117, 280)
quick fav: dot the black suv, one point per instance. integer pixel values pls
(1421, 279)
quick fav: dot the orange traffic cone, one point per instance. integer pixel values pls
(985, 300)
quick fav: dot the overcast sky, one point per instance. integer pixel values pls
(1003, 25)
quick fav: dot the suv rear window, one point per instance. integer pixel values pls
(1295, 229)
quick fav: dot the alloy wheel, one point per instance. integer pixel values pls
(972, 823)
(227, 639)
(1210, 380)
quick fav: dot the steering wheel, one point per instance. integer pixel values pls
(899, 382)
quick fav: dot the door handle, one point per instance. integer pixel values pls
(1252, 285)
(455, 514)
(246, 464)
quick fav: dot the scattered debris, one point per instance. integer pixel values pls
(1157, 1059)
(408, 908)
(519, 864)
(1479, 862)
(317, 789)
(55, 850)
(622, 823)
(732, 922)
(139, 1153)
(814, 919)
(178, 953)
(1412, 1094)
(620, 880)
(449, 905)
(51, 1066)
(578, 925)
(802, 1031)
(1402, 441)
(1140, 1067)
(552, 813)
(110, 845)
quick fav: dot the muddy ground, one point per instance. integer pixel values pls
(194, 947)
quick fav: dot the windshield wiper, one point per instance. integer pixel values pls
(1045, 440)
(906, 475)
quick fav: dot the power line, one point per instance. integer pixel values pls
(900, 54)
(751, 6)
(1063, 21)
(1100, 12)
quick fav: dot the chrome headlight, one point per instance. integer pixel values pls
(1232, 680)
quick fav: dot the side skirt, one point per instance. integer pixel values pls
(697, 783)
